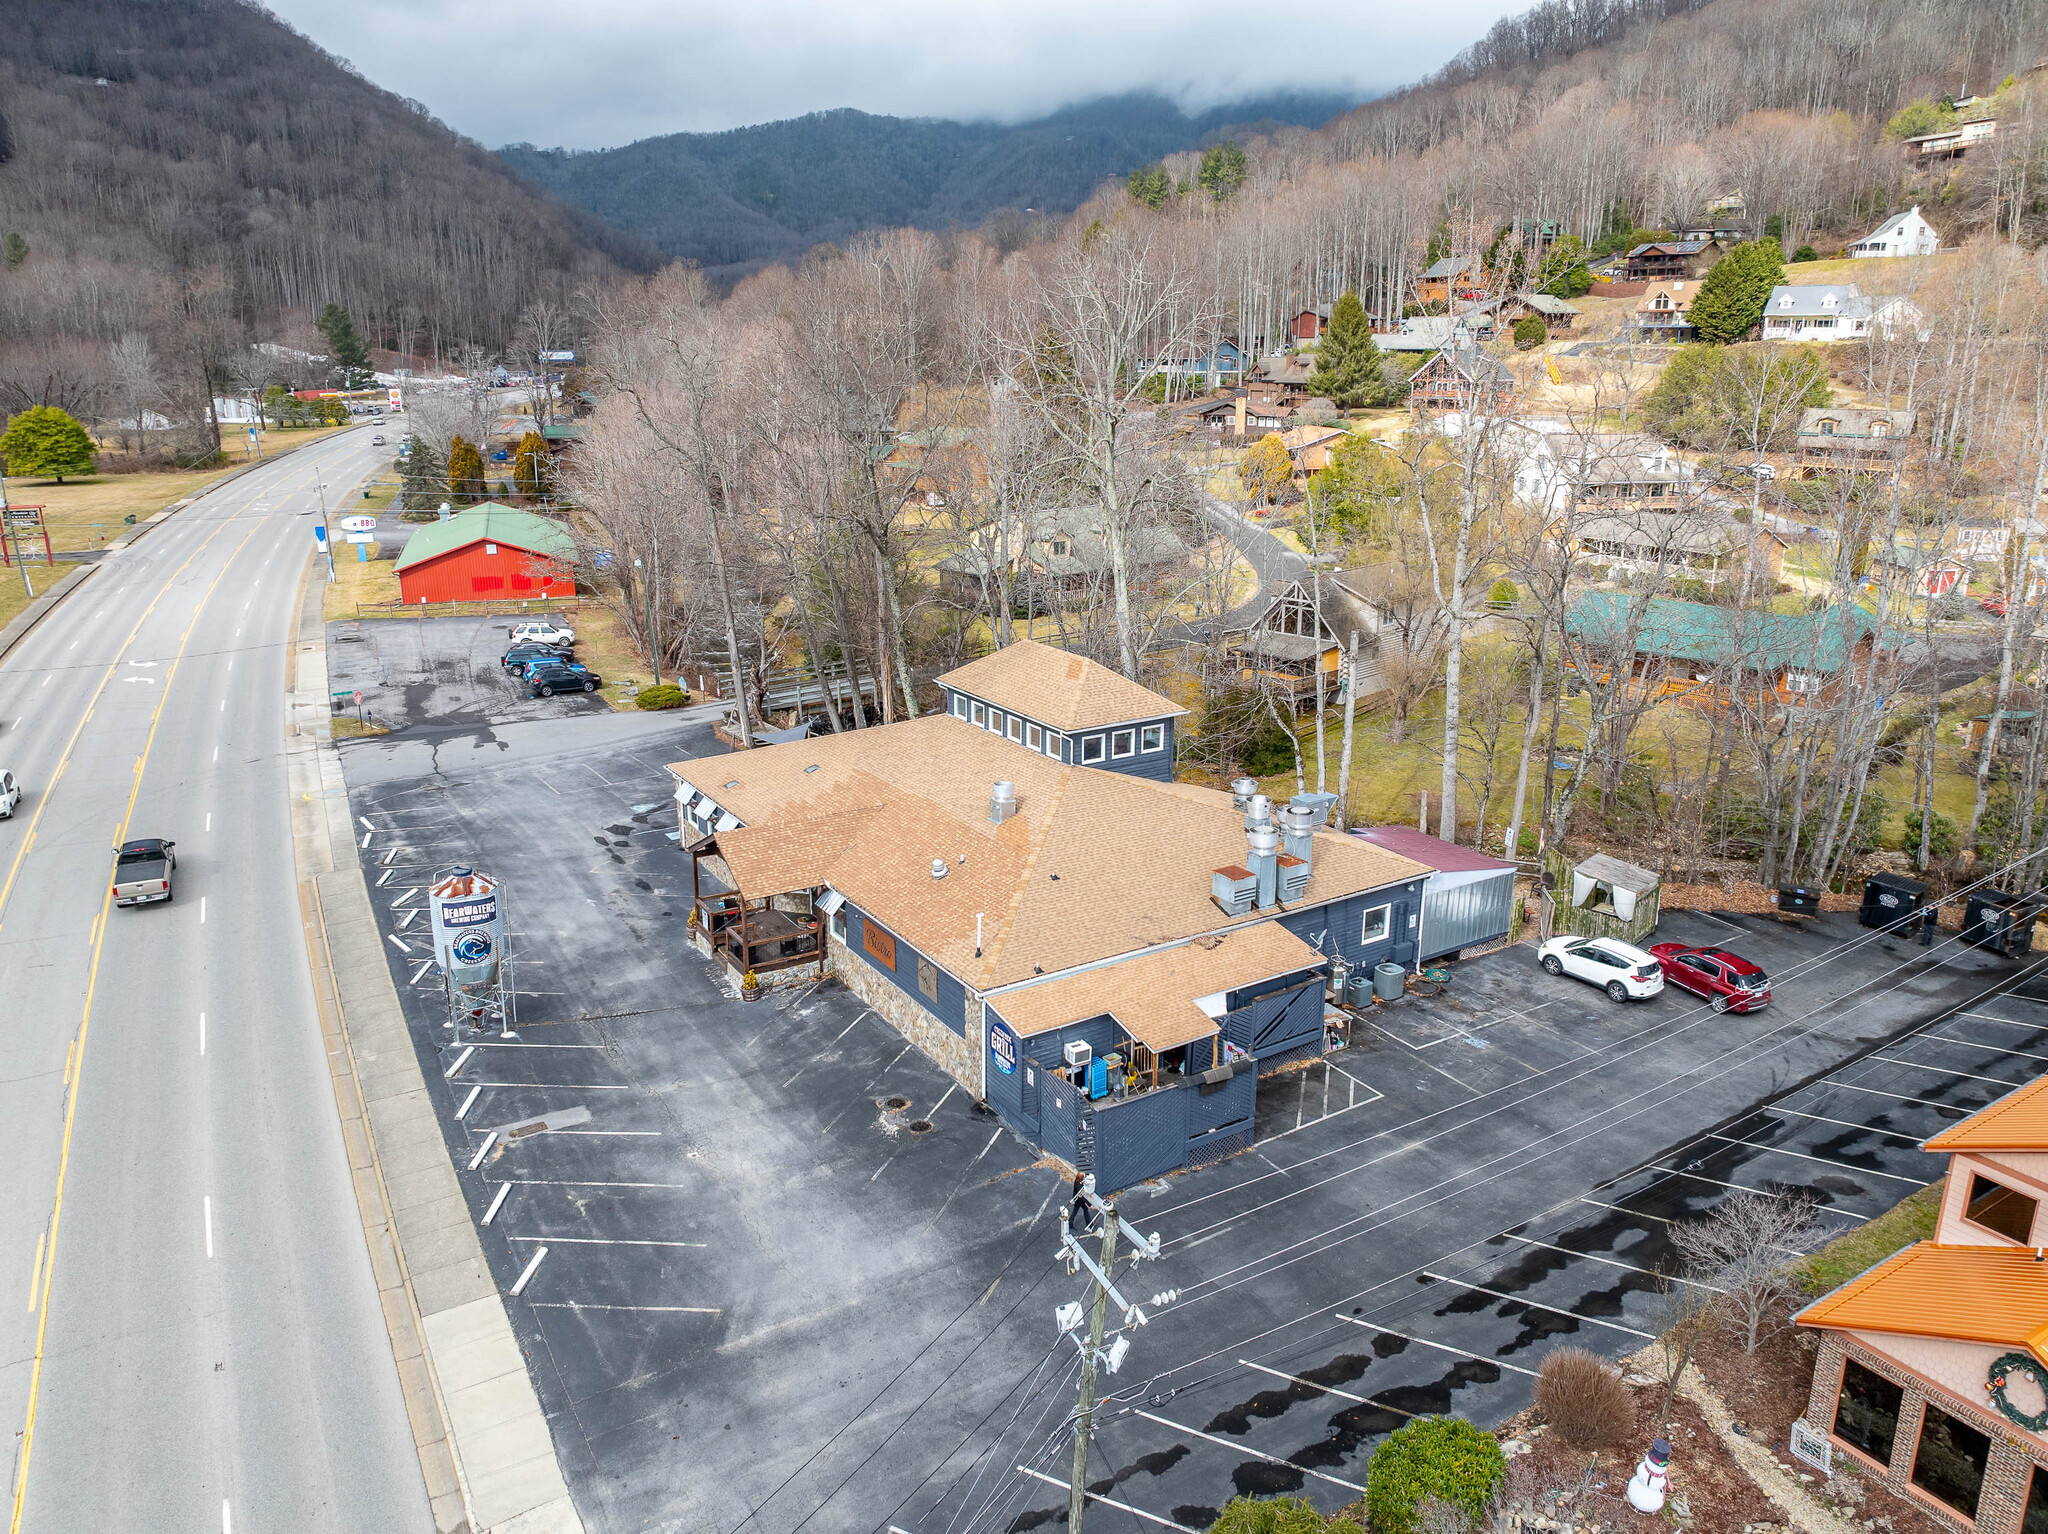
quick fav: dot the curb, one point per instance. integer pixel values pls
(485, 1450)
(33, 614)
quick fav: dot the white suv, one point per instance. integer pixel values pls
(10, 793)
(1625, 973)
(541, 633)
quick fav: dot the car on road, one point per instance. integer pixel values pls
(546, 681)
(10, 793)
(1620, 969)
(543, 633)
(378, 440)
(143, 869)
(1729, 982)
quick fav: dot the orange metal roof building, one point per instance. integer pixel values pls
(1997, 1295)
(2018, 1121)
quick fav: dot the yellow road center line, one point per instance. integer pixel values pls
(35, 1379)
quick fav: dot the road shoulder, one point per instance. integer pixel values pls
(484, 1446)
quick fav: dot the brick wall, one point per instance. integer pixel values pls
(955, 1054)
(2008, 1474)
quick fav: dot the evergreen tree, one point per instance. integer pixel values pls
(15, 251)
(530, 466)
(1150, 185)
(1224, 168)
(44, 441)
(465, 473)
(1348, 370)
(350, 357)
(1731, 299)
(424, 476)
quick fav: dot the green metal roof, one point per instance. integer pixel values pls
(493, 523)
(561, 431)
(1717, 636)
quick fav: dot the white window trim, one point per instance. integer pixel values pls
(959, 705)
(1386, 915)
(1053, 741)
(1094, 748)
(1016, 729)
(995, 721)
(1148, 733)
(1034, 738)
(980, 715)
(1130, 747)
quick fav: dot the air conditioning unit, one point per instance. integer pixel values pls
(1077, 1052)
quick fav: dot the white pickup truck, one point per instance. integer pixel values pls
(142, 871)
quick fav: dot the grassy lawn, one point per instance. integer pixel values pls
(375, 582)
(13, 598)
(1911, 1219)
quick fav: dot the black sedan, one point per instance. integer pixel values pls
(546, 681)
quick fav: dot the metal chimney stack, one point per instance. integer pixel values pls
(1002, 801)
(1258, 810)
(1263, 855)
(1298, 831)
(1241, 792)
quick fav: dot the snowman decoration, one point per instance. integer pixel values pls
(1646, 1488)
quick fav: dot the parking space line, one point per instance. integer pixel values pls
(1612, 1262)
(1122, 1507)
(1517, 1299)
(607, 1241)
(666, 1310)
(1743, 1187)
(1641, 1214)
(1922, 1065)
(553, 1086)
(1282, 1374)
(1243, 1448)
(2010, 1022)
(1442, 1347)
(566, 1182)
(502, 1044)
(1822, 1160)
(1924, 1102)
(1822, 1118)
(1996, 1049)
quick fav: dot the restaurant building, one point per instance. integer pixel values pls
(1106, 958)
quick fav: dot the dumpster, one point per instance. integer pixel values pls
(1891, 901)
(1998, 921)
(1389, 981)
(1796, 900)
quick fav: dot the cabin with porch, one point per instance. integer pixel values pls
(1108, 961)
(1286, 647)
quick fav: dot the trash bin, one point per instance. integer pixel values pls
(1891, 901)
(1389, 981)
(1798, 901)
(1998, 921)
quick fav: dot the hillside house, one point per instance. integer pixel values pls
(1286, 647)
(1932, 1369)
(1709, 655)
(1924, 571)
(1458, 278)
(1309, 447)
(1834, 312)
(1835, 439)
(1903, 234)
(1461, 377)
(1558, 316)
(1308, 325)
(1951, 143)
(1554, 467)
(1702, 543)
(1108, 961)
(1063, 552)
(1428, 333)
(1667, 260)
(1286, 373)
(1239, 416)
(1664, 313)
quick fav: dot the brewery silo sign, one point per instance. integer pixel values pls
(469, 926)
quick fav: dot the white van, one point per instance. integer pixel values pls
(10, 793)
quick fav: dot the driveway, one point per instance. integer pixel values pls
(796, 1278)
(439, 675)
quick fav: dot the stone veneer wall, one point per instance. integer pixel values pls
(955, 1054)
(2008, 1474)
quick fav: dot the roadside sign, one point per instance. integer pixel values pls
(558, 356)
(397, 400)
(25, 516)
(362, 537)
(319, 532)
(358, 524)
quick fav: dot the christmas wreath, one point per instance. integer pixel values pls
(2001, 1371)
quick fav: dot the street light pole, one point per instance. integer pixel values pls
(326, 542)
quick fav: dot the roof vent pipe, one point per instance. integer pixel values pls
(1002, 801)
(1241, 792)
(1258, 812)
(938, 868)
(1263, 846)
(1298, 831)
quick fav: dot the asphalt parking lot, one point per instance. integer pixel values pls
(768, 1300)
(439, 675)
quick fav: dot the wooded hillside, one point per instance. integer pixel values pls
(736, 200)
(151, 146)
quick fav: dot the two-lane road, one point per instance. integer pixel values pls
(190, 1336)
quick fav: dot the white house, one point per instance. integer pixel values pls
(1903, 234)
(1841, 312)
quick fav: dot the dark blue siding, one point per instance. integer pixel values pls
(950, 1008)
(1157, 765)
(1336, 929)
(1011, 1095)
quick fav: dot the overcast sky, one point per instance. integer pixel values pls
(588, 74)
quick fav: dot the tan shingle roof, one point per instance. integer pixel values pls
(1154, 997)
(1094, 864)
(1068, 692)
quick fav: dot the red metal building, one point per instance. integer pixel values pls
(486, 553)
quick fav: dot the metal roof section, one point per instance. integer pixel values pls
(1994, 1295)
(2018, 1121)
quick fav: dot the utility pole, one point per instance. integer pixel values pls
(1092, 1351)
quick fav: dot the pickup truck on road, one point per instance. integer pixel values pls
(142, 871)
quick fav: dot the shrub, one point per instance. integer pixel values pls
(663, 696)
(1503, 593)
(1805, 253)
(1942, 840)
(1530, 332)
(1584, 1399)
(1268, 1515)
(1442, 1457)
(45, 442)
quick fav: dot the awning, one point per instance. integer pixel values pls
(831, 902)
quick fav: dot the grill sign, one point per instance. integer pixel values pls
(1002, 1047)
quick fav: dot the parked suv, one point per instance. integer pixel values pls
(1729, 982)
(1620, 969)
(542, 632)
(546, 681)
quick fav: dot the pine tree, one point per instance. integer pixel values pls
(465, 473)
(351, 359)
(1224, 168)
(1348, 370)
(425, 477)
(44, 441)
(530, 466)
(1150, 185)
(1731, 299)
